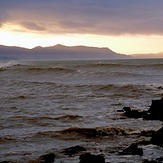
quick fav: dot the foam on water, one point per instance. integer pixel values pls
(4, 65)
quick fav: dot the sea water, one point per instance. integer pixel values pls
(47, 106)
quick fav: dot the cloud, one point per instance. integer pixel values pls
(32, 26)
(113, 17)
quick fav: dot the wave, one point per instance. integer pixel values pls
(19, 97)
(42, 121)
(130, 87)
(126, 63)
(51, 69)
(95, 132)
(160, 66)
(100, 64)
(50, 86)
(4, 65)
(77, 132)
(68, 117)
(7, 139)
(30, 67)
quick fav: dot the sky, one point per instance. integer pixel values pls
(124, 26)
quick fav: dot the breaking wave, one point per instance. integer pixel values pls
(4, 65)
(77, 132)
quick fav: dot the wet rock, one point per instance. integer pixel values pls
(74, 150)
(120, 111)
(132, 113)
(155, 111)
(158, 160)
(48, 158)
(157, 138)
(132, 150)
(147, 133)
(91, 158)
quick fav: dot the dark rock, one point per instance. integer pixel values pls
(147, 133)
(133, 113)
(91, 158)
(158, 160)
(155, 111)
(132, 150)
(127, 109)
(120, 111)
(74, 150)
(157, 138)
(144, 142)
(48, 158)
(156, 106)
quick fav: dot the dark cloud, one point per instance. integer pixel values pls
(111, 17)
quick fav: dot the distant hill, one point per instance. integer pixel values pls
(148, 55)
(59, 52)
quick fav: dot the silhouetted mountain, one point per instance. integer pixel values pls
(59, 52)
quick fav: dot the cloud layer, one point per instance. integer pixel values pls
(106, 17)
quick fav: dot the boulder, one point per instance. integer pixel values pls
(158, 160)
(48, 158)
(91, 158)
(157, 138)
(132, 113)
(132, 150)
(155, 111)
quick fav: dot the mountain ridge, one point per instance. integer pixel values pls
(148, 55)
(60, 52)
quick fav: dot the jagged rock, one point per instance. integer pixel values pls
(157, 138)
(132, 150)
(149, 161)
(155, 111)
(147, 133)
(91, 158)
(48, 158)
(158, 160)
(74, 150)
(132, 113)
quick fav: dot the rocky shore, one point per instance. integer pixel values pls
(155, 112)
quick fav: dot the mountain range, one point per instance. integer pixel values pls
(58, 52)
(148, 55)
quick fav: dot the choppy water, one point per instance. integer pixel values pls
(47, 106)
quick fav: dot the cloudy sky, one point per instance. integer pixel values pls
(125, 26)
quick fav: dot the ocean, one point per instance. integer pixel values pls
(48, 106)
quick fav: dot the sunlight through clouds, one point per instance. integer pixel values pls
(125, 27)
